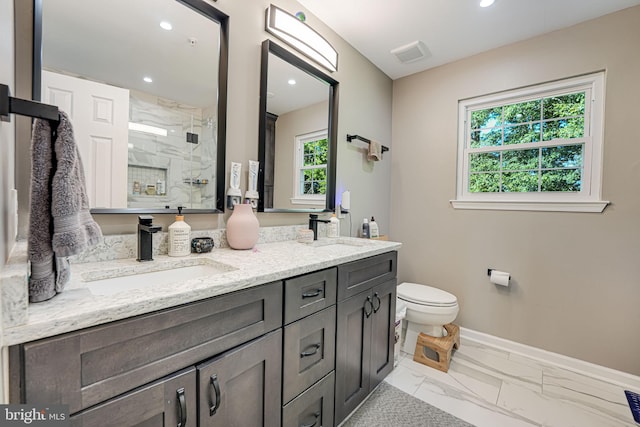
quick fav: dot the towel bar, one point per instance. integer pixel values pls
(363, 139)
(23, 107)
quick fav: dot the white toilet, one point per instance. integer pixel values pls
(428, 310)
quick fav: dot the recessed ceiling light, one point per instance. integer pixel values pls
(486, 3)
(148, 79)
(166, 25)
(291, 82)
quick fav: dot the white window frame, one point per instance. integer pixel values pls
(588, 199)
(298, 195)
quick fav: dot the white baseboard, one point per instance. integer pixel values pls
(620, 378)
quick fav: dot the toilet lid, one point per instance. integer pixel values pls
(426, 295)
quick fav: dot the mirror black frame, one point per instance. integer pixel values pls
(268, 46)
(208, 11)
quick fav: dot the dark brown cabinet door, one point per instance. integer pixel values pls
(167, 402)
(364, 345)
(241, 388)
(353, 334)
(382, 331)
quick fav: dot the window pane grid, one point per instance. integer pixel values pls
(556, 168)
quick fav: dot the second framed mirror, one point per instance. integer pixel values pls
(297, 135)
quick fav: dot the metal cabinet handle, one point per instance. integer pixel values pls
(216, 391)
(314, 350)
(375, 309)
(368, 301)
(312, 294)
(317, 415)
(182, 408)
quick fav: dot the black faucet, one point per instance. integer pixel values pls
(313, 224)
(145, 231)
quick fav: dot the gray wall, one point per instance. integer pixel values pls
(364, 106)
(575, 275)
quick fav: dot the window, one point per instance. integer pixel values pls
(537, 148)
(311, 168)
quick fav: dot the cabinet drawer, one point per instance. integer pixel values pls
(168, 402)
(309, 351)
(304, 295)
(314, 407)
(90, 366)
(358, 276)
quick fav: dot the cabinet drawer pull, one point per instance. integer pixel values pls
(375, 309)
(317, 416)
(182, 408)
(314, 349)
(216, 391)
(312, 293)
(368, 301)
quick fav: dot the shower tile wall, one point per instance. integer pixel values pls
(184, 162)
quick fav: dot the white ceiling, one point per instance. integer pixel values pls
(451, 29)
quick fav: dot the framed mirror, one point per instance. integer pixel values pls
(145, 86)
(297, 135)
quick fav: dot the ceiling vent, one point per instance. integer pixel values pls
(411, 52)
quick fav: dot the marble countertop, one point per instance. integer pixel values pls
(80, 307)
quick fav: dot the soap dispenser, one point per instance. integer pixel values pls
(179, 236)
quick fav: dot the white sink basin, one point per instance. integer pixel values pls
(337, 241)
(141, 278)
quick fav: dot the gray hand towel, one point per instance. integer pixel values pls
(60, 223)
(43, 271)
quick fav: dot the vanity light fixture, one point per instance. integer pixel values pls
(147, 79)
(301, 37)
(486, 3)
(166, 25)
(154, 130)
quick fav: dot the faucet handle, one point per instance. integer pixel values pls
(145, 219)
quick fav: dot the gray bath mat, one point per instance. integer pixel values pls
(391, 407)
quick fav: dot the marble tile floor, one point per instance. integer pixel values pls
(488, 387)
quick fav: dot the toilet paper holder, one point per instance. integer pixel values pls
(489, 270)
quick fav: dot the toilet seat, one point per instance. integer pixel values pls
(426, 295)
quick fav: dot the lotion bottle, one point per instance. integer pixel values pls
(373, 228)
(179, 236)
(333, 228)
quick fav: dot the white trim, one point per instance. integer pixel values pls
(298, 196)
(544, 206)
(309, 201)
(589, 199)
(620, 378)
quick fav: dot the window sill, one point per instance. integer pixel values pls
(544, 206)
(320, 202)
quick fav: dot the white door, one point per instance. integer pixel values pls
(99, 114)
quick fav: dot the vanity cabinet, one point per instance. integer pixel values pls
(88, 367)
(309, 349)
(304, 351)
(364, 329)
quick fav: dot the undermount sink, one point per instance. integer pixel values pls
(149, 275)
(329, 241)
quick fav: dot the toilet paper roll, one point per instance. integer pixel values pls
(499, 277)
